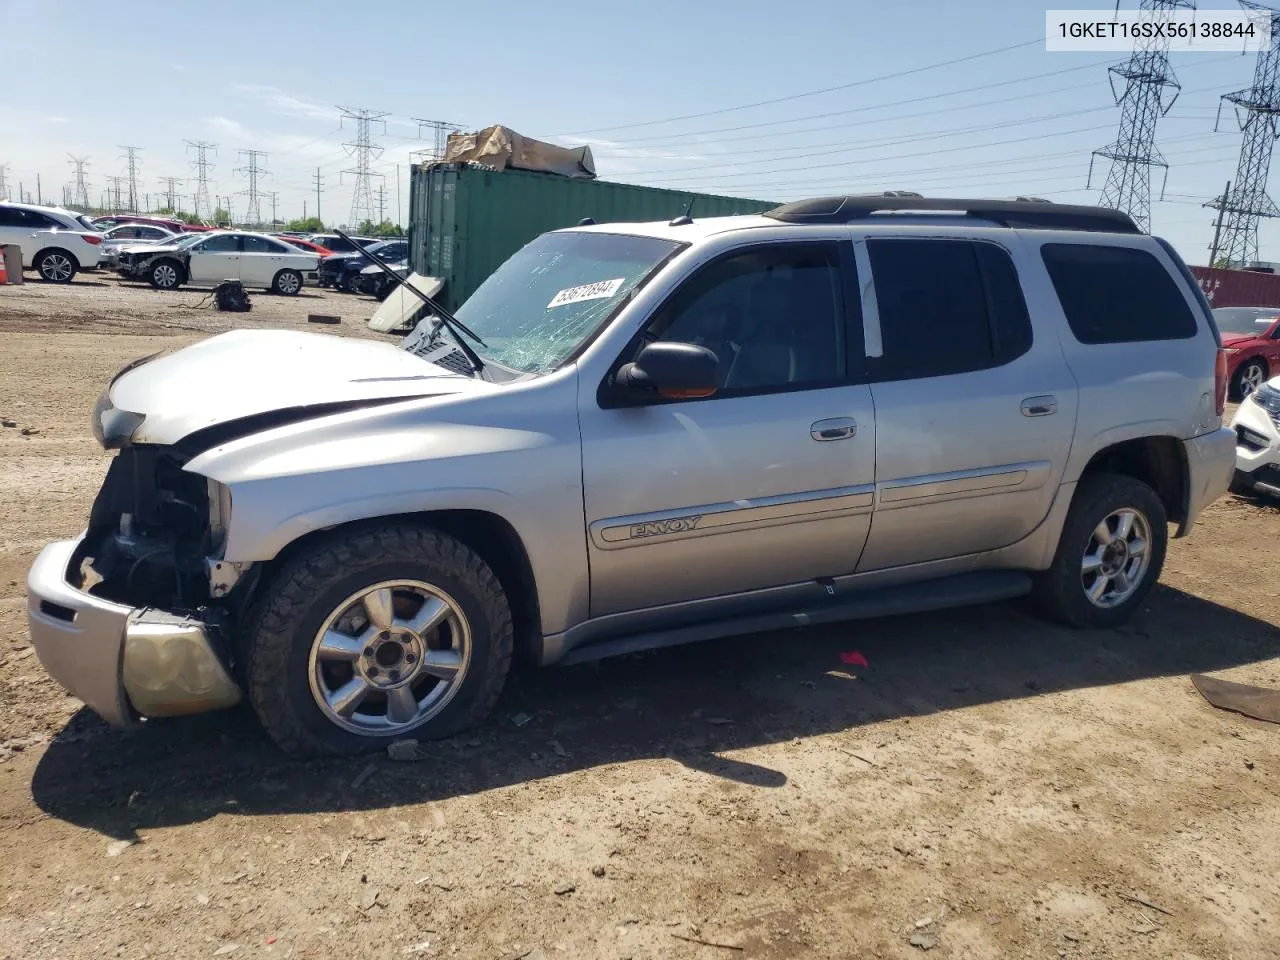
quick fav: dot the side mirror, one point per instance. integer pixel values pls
(672, 371)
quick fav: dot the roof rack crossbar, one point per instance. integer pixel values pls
(1024, 214)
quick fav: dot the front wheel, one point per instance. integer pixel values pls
(372, 636)
(165, 275)
(56, 266)
(1248, 378)
(287, 282)
(1110, 553)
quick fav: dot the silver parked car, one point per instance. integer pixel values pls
(635, 435)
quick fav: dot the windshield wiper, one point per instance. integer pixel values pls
(450, 322)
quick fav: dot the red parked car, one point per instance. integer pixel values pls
(177, 226)
(306, 245)
(1251, 336)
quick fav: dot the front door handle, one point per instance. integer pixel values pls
(1039, 406)
(837, 428)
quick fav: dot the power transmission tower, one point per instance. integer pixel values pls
(116, 184)
(253, 211)
(1246, 202)
(202, 164)
(171, 192)
(1148, 78)
(80, 190)
(382, 203)
(441, 129)
(131, 154)
(364, 151)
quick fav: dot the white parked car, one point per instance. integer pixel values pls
(205, 259)
(55, 243)
(1257, 427)
(129, 234)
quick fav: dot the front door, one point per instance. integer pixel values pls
(215, 259)
(767, 483)
(975, 407)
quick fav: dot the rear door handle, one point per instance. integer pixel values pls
(1039, 406)
(836, 428)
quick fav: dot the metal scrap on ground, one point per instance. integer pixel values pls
(1261, 703)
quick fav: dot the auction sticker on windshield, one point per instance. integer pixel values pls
(600, 290)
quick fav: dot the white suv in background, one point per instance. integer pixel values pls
(55, 243)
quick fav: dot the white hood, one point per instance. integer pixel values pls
(247, 372)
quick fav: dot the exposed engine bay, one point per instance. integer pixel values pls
(151, 530)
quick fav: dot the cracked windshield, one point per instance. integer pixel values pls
(537, 308)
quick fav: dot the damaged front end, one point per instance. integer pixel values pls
(153, 547)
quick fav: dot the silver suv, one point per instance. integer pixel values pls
(635, 435)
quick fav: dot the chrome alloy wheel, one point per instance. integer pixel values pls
(389, 658)
(287, 283)
(56, 267)
(1116, 559)
(1250, 379)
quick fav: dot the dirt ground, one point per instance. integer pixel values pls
(989, 786)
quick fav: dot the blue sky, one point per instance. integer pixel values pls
(268, 75)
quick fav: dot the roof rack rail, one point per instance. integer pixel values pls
(1021, 213)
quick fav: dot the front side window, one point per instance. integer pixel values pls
(544, 302)
(945, 307)
(1117, 294)
(223, 243)
(773, 316)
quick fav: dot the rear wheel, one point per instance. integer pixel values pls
(1110, 553)
(287, 282)
(56, 266)
(377, 635)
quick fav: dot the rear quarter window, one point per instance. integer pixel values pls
(1117, 294)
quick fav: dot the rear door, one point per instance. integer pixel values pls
(215, 259)
(975, 406)
(261, 258)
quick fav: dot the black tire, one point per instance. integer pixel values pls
(1241, 484)
(1060, 591)
(343, 283)
(56, 265)
(294, 605)
(1250, 368)
(166, 274)
(287, 283)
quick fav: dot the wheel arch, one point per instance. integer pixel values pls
(489, 534)
(1158, 461)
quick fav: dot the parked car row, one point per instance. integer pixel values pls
(342, 270)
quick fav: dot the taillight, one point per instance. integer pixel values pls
(1220, 381)
(91, 238)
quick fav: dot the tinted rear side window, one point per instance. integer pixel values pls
(1117, 294)
(946, 306)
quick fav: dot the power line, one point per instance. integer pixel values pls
(202, 164)
(253, 211)
(131, 155)
(80, 191)
(363, 150)
(1247, 201)
(814, 93)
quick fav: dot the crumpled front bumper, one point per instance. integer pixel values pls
(122, 662)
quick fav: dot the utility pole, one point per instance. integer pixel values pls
(171, 192)
(1248, 202)
(205, 152)
(4, 188)
(1146, 75)
(39, 192)
(275, 195)
(382, 203)
(80, 191)
(318, 184)
(131, 155)
(253, 211)
(398, 220)
(1217, 227)
(364, 152)
(440, 130)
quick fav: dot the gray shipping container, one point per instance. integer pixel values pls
(465, 220)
